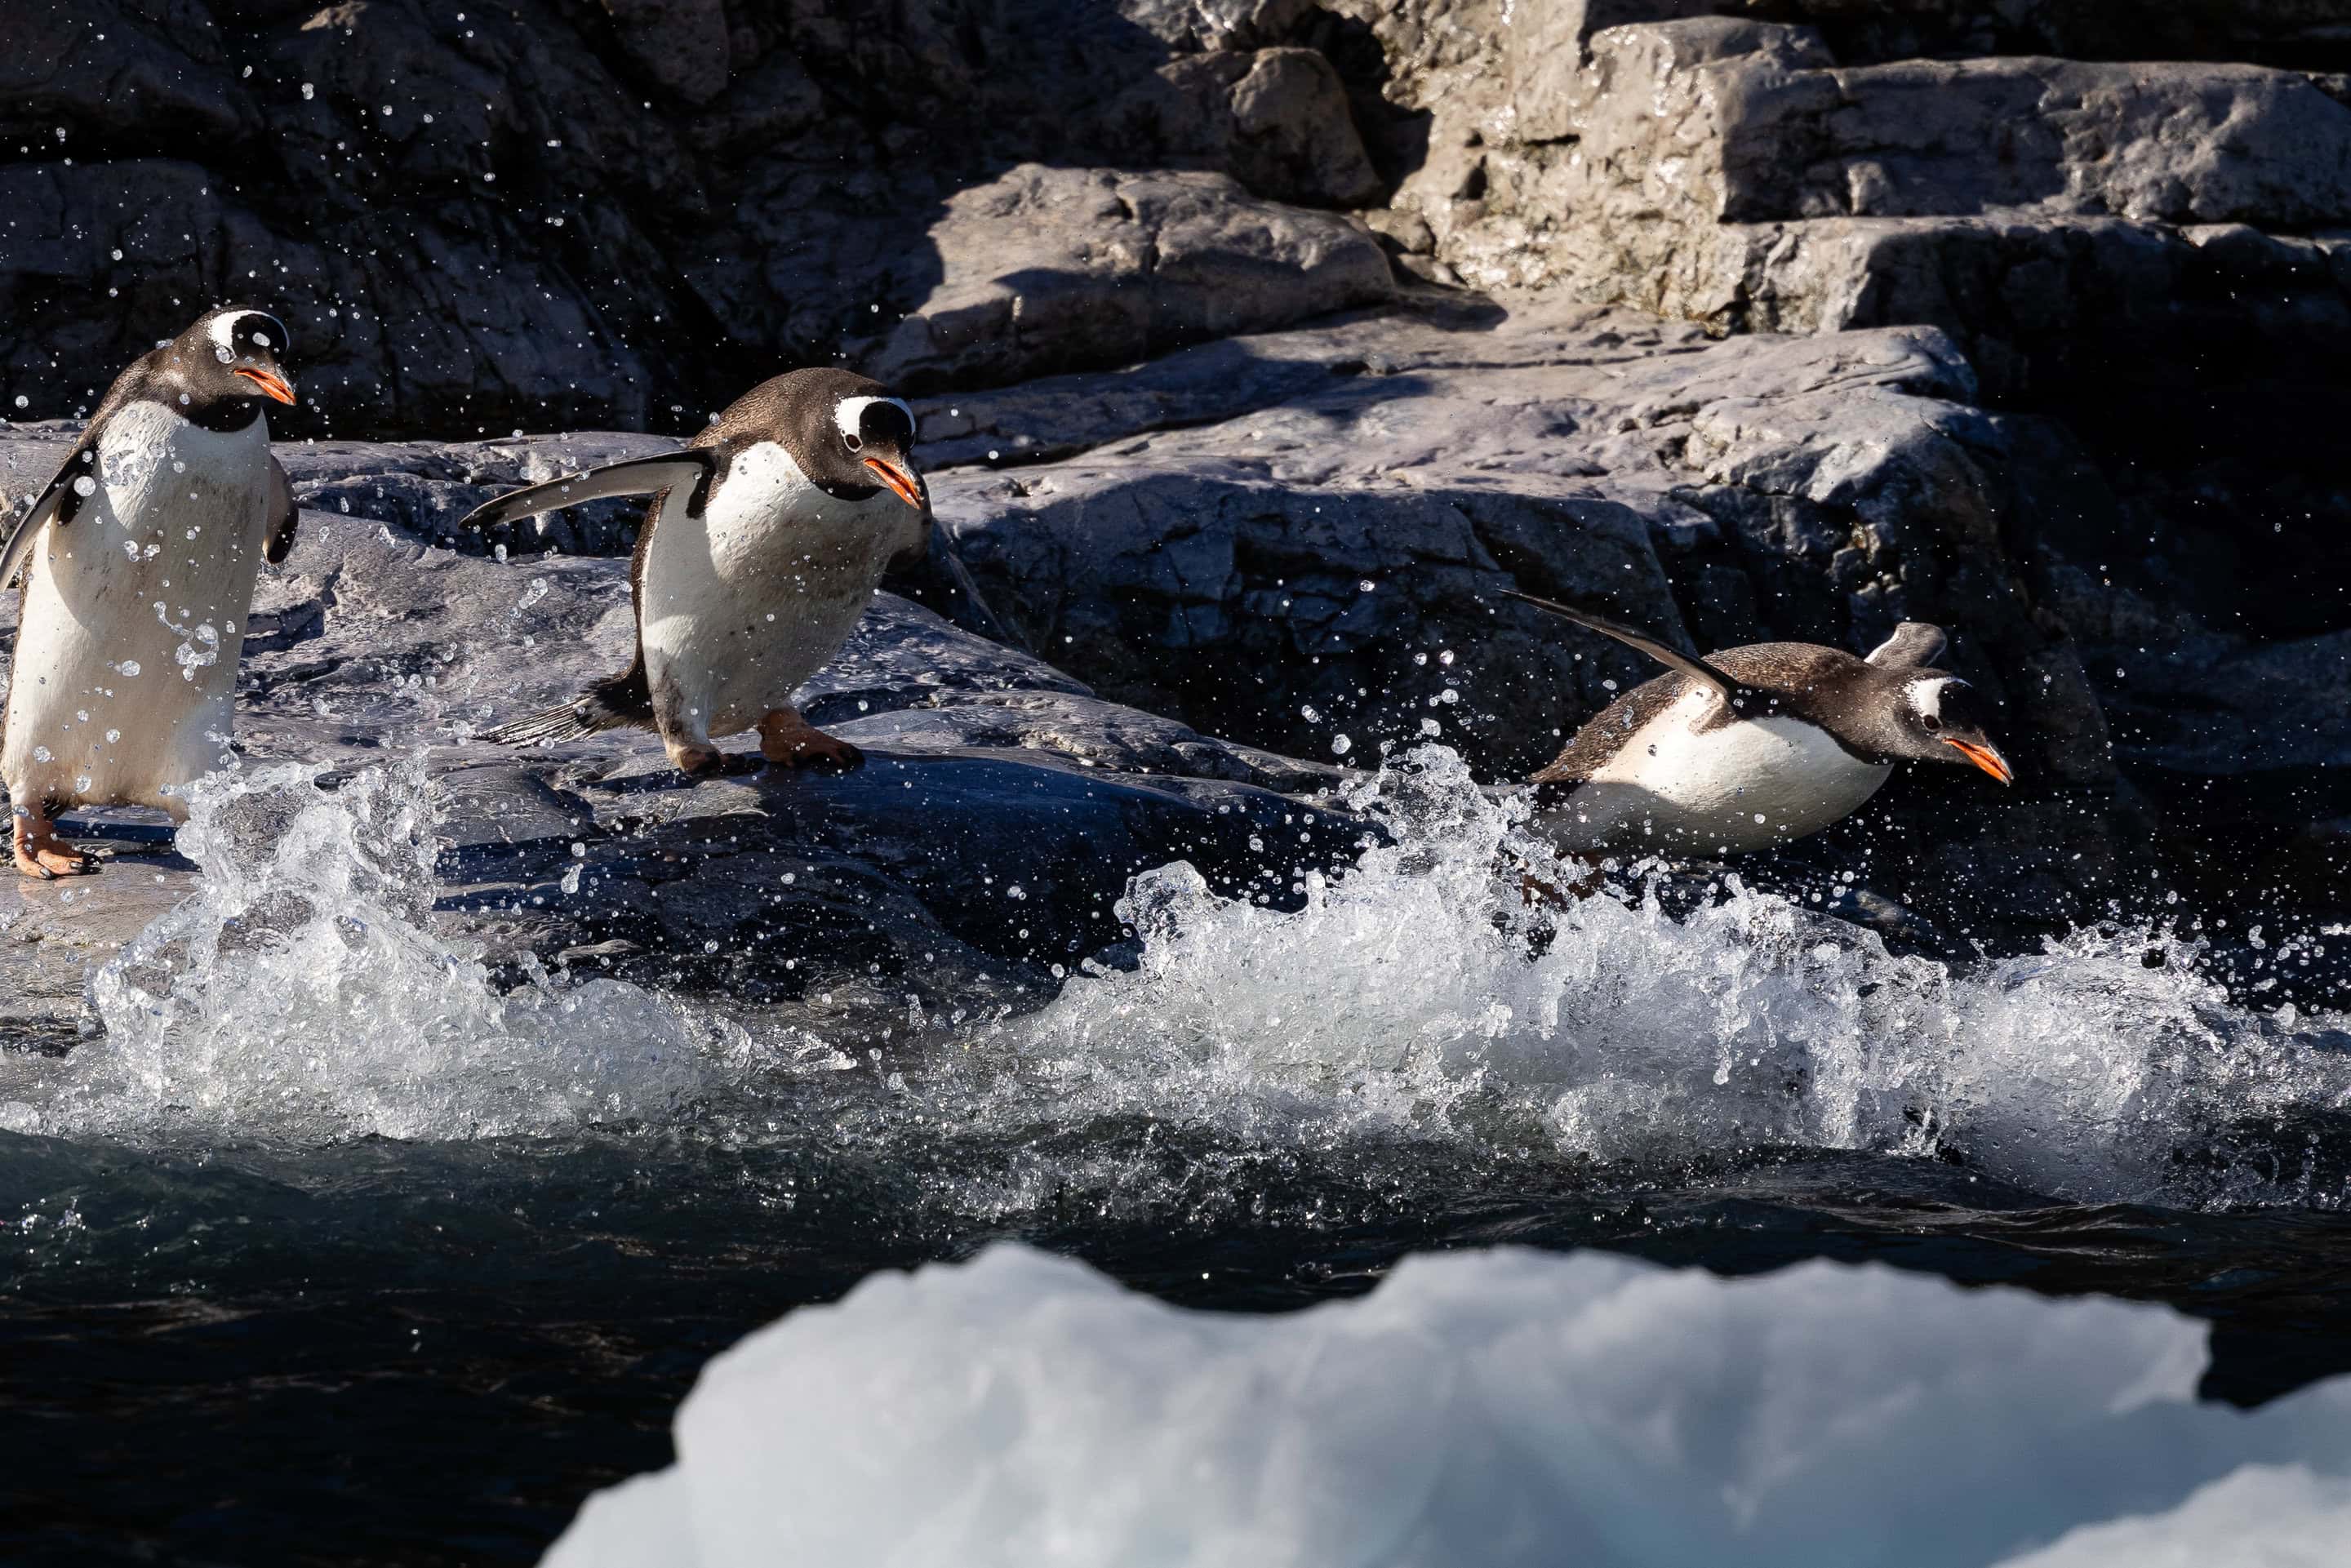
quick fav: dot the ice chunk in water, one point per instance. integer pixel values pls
(2273, 1516)
(1477, 1409)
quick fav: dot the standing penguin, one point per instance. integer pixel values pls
(1752, 747)
(138, 563)
(760, 549)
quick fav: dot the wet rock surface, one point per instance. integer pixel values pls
(1257, 345)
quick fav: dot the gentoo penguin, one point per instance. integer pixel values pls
(1752, 747)
(760, 549)
(139, 562)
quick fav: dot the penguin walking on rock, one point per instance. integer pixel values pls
(1750, 747)
(138, 562)
(759, 551)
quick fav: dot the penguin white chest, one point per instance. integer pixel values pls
(125, 666)
(744, 603)
(1736, 787)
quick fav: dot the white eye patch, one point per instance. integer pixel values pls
(849, 414)
(1926, 697)
(222, 330)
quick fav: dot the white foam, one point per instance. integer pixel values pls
(301, 994)
(1477, 1409)
(1402, 996)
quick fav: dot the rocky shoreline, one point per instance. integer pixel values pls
(1257, 345)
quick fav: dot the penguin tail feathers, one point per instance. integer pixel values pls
(572, 721)
(620, 703)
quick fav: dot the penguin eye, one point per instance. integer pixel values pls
(1932, 725)
(853, 442)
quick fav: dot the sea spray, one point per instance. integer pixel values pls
(301, 994)
(1424, 987)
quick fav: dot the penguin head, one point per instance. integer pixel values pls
(872, 439)
(848, 434)
(1941, 718)
(233, 353)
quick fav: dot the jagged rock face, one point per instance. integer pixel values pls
(554, 213)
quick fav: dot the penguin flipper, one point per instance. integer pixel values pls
(1914, 645)
(1672, 658)
(284, 514)
(59, 501)
(637, 476)
(20, 542)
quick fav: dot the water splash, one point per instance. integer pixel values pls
(1423, 992)
(300, 995)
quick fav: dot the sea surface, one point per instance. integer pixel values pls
(330, 1248)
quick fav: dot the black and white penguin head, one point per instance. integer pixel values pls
(1941, 718)
(231, 355)
(846, 433)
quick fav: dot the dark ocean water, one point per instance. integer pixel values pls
(430, 1353)
(329, 1249)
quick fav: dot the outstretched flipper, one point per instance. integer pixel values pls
(638, 476)
(1914, 645)
(1672, 659)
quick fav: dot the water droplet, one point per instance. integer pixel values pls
(1341, 746)
(85, 485)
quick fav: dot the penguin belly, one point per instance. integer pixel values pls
(744, 603)
(123, 686)
(1737, 788)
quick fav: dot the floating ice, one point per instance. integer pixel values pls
(1477, 1409)
(1405, 995)
(299, 995)
(2265, 1516)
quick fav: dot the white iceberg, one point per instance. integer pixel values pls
(1504, 1408)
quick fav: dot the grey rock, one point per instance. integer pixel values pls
(555, 215)
(1049, 269)
(681, 46)
(2305, 33)
(1277, 119)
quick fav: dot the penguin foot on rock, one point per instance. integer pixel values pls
(694, 761)
(788, 740)
(39, 852)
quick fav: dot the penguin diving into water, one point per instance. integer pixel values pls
(138, 563)
(760, 549)
(1750, 747)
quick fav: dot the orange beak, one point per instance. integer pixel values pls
(271, 381)
(1985, 758)
(899, 480)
